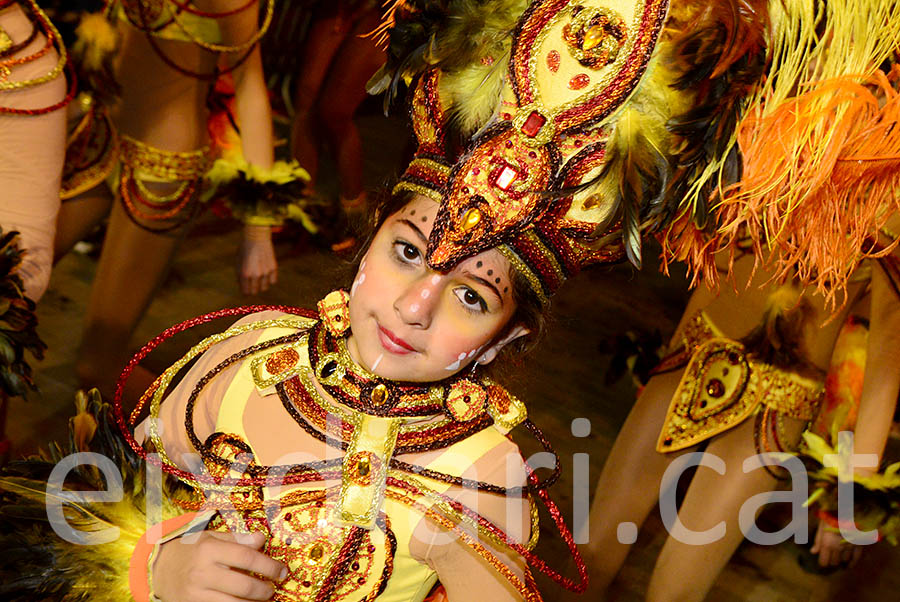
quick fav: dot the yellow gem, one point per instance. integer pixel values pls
(5, 41)
(593, 37)
(316, 553)
(363, 466)
(471, 219)
(379, 394)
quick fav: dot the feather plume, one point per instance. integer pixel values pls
(18, 323)
(637, 165)
(94, 50)
(816, 199)
(720, 56)
(38, 564)
(449, 34)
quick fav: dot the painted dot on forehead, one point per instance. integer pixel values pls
(479, 264)
(505, 289)
(413, 212)
(424, 218)
(490, 272)
(497, 280)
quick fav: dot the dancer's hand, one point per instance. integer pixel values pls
(214, 567)
(259, 268)
(832, 549)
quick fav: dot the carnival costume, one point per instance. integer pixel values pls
(535, 183)
(567, 161)
(96, 152)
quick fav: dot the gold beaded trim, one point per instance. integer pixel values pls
(50, 75)
(165, 379)
(267, 21)
(169, 166)
(722, 386)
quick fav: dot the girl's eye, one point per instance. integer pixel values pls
(407, 252)
(470, 299)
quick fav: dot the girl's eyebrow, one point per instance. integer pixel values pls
(486, 283)
(415, 229)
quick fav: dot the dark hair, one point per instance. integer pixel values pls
(530, 311)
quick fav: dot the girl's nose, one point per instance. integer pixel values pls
(417, 303)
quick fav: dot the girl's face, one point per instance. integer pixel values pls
(414, 324)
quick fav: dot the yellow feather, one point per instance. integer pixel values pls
(97, 39)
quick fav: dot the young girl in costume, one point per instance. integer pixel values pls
(560, 107)
(155, 155)
(747, 364)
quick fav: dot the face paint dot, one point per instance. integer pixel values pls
(424, 218)
(479, 264)
(414, 307)
(471, 353)
(435, 279)
(490, 272)
(497, 280)
(425, 293)
(413, 212)
(461, 356)
(505, 289)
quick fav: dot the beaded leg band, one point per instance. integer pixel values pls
(143, 163)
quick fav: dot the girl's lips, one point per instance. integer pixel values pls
(393, 343)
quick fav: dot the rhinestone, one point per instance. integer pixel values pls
(379, 394)
(363, 467)
(316, 553)
(533, 124)
(328, 369)
(553, 61)
(506, 177)
(715, 388)
(593, 37)
(471, 219)
(579, 82)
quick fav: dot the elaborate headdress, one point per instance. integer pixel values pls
(570, 157)
(590, 123)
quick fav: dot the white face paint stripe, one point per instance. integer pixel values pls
(359, 280)
(377, 361)
(454, 366)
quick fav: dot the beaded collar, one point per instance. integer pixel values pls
(462, 397)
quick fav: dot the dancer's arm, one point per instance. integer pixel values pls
(259, 268)
(32, 149)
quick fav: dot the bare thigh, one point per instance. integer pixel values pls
(686, 571)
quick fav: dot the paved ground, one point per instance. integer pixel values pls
(564, 380)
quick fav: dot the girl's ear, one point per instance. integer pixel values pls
(488, 355)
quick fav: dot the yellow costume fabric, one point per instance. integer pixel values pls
(168, 22)
(241, 416)
(722, 386)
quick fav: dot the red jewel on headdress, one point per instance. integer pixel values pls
(579, 81)
(533, 124)
(553, 61)
(505, 176)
